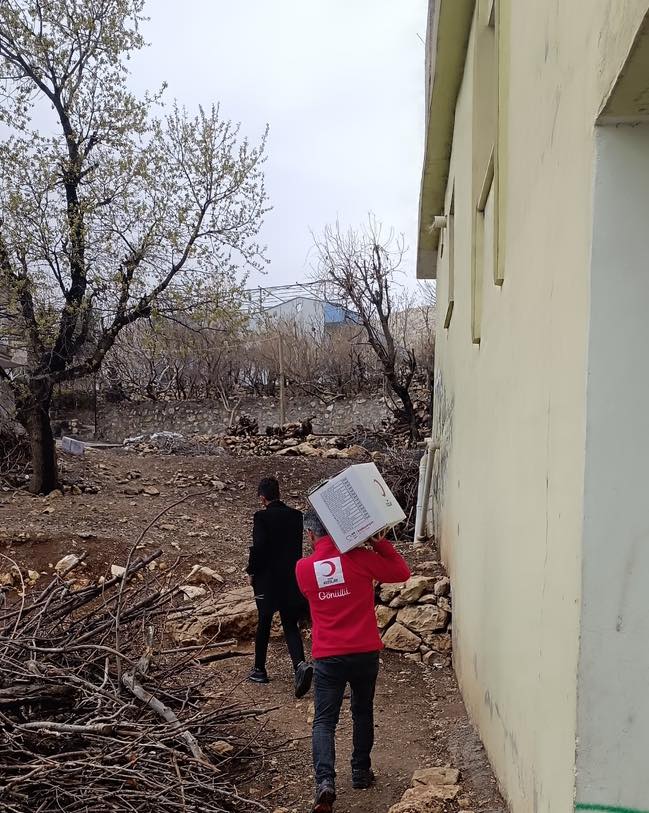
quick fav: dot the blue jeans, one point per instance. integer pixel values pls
(331, 677)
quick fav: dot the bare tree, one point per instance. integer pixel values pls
(360, 267)
(108, 214)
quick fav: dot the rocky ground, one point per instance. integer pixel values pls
(114, 495)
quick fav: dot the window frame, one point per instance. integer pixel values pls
(477, 270)
(450, 241)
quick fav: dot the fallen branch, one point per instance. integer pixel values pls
(163, 711)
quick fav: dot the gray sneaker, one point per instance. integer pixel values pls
(325, 796)
(258, 676)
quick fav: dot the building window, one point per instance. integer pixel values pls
(486, 262)
(491, 13)
(450, 262)
(483, 256)
(500, 12)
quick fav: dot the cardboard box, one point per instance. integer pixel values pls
(355, 505)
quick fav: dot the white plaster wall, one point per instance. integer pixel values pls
(613, 722)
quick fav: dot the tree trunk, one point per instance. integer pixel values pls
(403, 394)
(33, 412)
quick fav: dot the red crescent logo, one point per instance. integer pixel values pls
(332, 568)
(380, 486)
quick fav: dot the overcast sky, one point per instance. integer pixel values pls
(341, 84)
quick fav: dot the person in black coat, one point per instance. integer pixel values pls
(276, 549)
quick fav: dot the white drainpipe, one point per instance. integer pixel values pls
(423, 490)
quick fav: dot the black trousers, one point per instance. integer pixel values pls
(290, 616)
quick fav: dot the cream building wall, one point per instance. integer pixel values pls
(511, 385)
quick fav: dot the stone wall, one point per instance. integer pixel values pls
(118, 421)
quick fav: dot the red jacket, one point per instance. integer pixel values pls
(340, 591)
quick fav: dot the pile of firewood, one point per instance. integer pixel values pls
(245, 426)
(99, 712)
(400, 470)
(397, 427)
(14, 456)
(297, 429)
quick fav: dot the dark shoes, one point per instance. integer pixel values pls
(325, 796)
(303, 678)
(258, 676)
(361, 780)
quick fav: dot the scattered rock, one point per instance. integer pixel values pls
(430, 791)
(66, 562)
(430, 805)
(200, 574)
(228, 615)
(444, 604)
(442, 586)
(356, 452)
(415, 587)
(425, 568)
(440, 643)
(221, 747)
(308, 450)
(390, 591)
(288, 451)
(423, 620)
(152, 491)
(401, 639)
(384, 616)
(117, 570)
(436, 776)
(192, 591)
(436, 660)
(9, 578)
(413, 656)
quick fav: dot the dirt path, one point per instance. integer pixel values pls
(420, 717)
(420, 722)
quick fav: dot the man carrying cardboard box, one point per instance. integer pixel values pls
(346, 643)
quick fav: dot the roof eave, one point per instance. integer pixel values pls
(449, 28)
